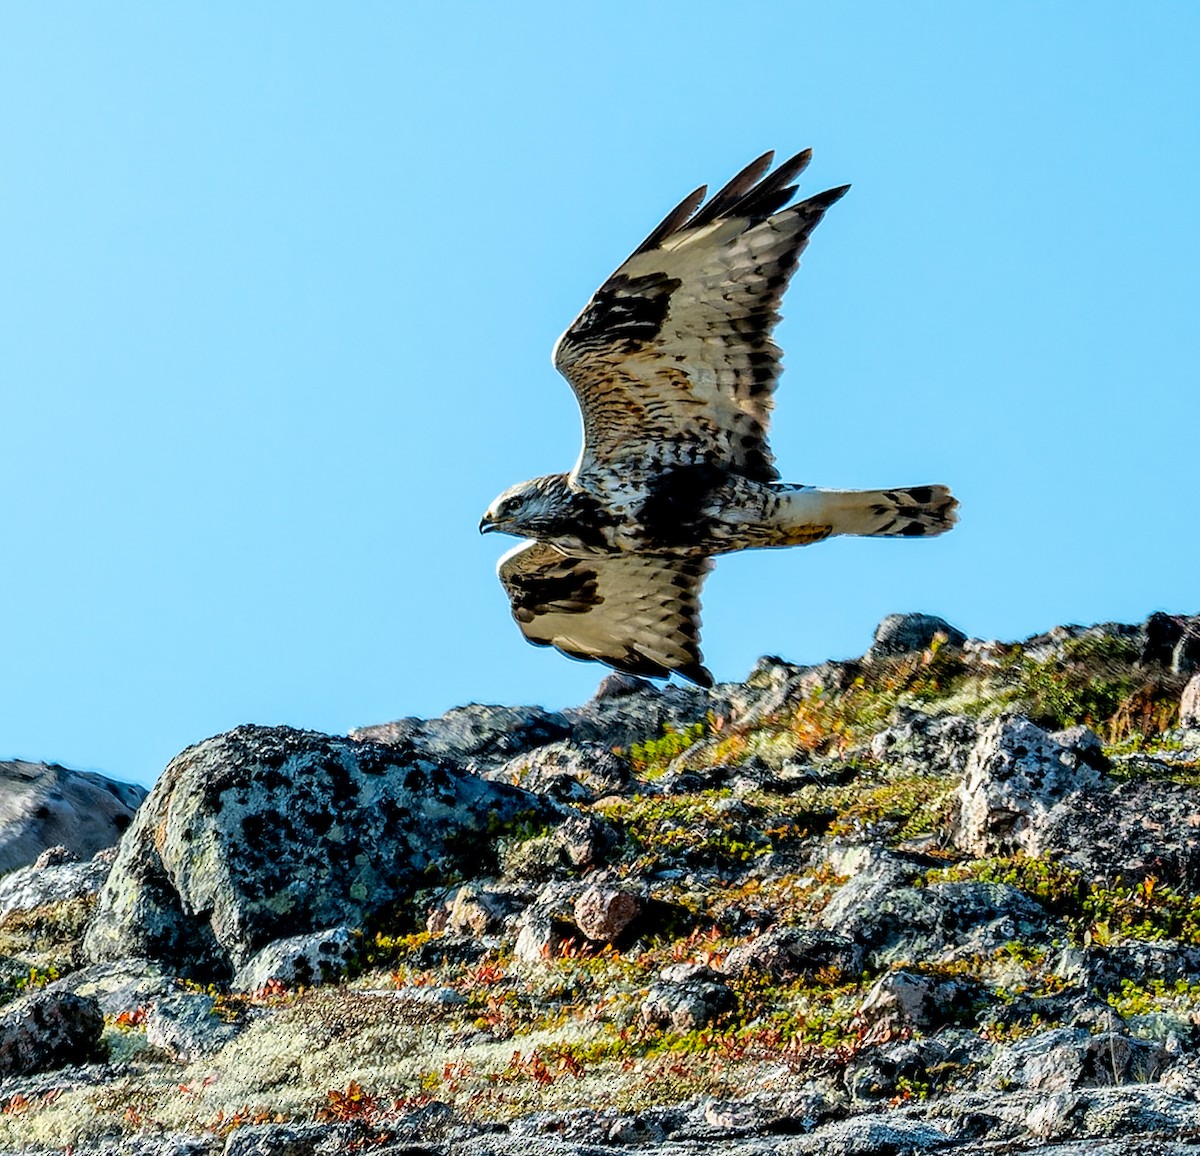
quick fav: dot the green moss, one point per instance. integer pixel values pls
(1096, 681)
(1148, 910)
(650, 759)
(1156, 995)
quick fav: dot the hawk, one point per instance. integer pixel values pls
(674, 369)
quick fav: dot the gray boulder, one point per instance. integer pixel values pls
(903, 633)
(687, 996)
(784, 954)
(122, 985)
(1119, 833)
(43, 805)
(909, 999)
(481, 735)
(301, 961)
(56, 877)
(47, 1030)
(1015, 774)
(627, 710)
(938, 922)
(186, 1026)
(265, 833)
(565, 770)
(922, 744)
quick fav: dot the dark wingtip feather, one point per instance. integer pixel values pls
(774, 191)
(674, 220)
(734, 190)
(822, 201)
(696, 673)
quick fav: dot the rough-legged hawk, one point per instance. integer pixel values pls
(674, 368)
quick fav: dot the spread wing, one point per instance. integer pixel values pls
(672, 360)
(639, 613)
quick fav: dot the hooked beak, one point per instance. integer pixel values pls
(486, 525)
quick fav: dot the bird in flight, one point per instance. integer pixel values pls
(674, 369)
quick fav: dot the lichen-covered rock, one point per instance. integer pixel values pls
(924, 744)
(482, 736)
(301, 961)
(566, 771)
(481, 909)
(942, 922)
(903, 633)
(687, 996)
(1118, 833)
(567, 850)
(1014, 775)
(784, 954)
(627, 710)
(265, 833)
(43, 805)
(46, 1030)
(878, 1072)
(546, 922)
(121, 985)
(1102, 968)
(56, 877)
(186, 1026)
(282, 1140)
(904, 999)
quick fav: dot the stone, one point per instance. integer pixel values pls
(279, 1140)
(627, 710)
(300, 961)
(569, 849)
(546, 923)
(602, 913)
(46, 1030)
(1015, 774)
(1171, 641)
(875, 1072)
(481, 909)
(567, 771)
(941, 922)
(902, 1000)
(481, 736)
(904, 633)
(687, 996)
(123, 985)
(784, 954)
(186, 1026)
(922, 744)
(1189, 703)
(61, 878)
(265, 833)
(43, 805)
(1117, 833)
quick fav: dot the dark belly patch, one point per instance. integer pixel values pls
(677, 510)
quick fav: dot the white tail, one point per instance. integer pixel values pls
(919, 511)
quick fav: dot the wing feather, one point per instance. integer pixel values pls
(639, 613)
(672, 360)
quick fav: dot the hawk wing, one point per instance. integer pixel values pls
(639, 613)
(672, 360)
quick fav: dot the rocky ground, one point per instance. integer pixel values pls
(944, 897)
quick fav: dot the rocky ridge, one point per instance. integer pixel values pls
(944, 897)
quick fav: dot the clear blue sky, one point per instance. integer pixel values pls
(279, 283)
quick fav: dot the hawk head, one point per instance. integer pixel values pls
(536, 508)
